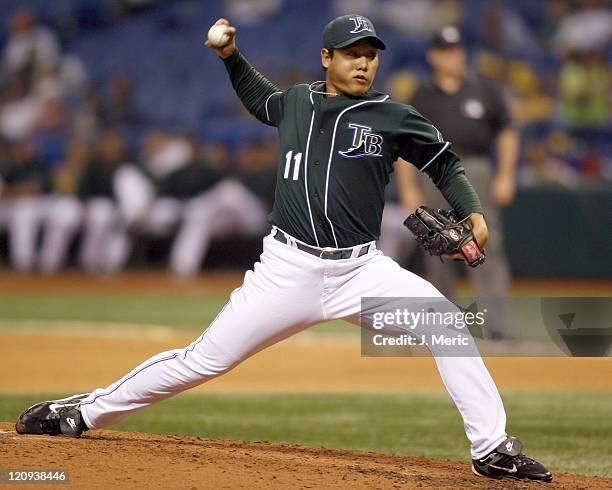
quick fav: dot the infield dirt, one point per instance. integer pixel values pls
(112, 459)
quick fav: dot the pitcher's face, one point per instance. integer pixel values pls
(351, 70)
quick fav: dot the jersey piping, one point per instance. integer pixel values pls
(266, 104)
(331, 154)
(435, 156)
(306, 172)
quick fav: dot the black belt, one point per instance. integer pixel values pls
(331, 254)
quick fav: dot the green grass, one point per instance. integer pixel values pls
(570, 432)
(185, 311)
(182, 312)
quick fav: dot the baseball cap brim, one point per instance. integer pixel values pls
(376, 42)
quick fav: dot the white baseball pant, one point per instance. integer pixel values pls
(288, 291)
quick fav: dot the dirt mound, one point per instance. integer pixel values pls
(112, 459)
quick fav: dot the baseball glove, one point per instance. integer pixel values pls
(440, 232)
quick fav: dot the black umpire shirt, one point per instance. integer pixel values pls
(337, 154)
(470, 118)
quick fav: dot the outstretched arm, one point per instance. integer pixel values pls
(259, 95)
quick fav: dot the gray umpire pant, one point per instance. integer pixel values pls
(490, 281)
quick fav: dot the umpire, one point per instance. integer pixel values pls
(470, 111)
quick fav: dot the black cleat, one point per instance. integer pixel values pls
(507, 460)
(53, 418)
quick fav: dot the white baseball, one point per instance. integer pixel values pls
(217, 36)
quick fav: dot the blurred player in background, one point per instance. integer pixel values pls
(233, 205)
(64, 211)
(106, 245)
(178, 192)
(24, 182)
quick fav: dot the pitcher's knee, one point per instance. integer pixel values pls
(208, 360)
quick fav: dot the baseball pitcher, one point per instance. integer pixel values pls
(338, 139)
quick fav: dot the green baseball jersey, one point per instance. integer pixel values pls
(337, 153)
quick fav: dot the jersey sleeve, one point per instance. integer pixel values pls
(259, 95)
(420, 143)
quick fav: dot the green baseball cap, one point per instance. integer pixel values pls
(347, 29)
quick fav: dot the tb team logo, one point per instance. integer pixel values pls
(361, 25)
(365, 143)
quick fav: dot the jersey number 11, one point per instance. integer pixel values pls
(297, 158)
